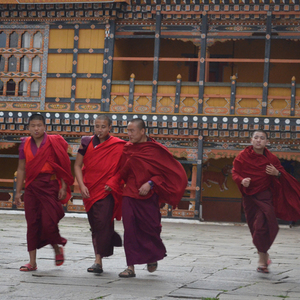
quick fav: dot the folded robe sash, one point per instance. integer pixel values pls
(153, 161)
(285, 190)
(101, 169)
(51, 158)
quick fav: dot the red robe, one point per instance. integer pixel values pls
(53, 153)
(285, 190)
(152, 161)
(100, 169)
(43, 210)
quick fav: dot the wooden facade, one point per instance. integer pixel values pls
(203, 75)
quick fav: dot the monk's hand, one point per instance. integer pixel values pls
(246, 182)
(18, 199)
(62, 193)
(271, 170)
(144, 189)
(84, 192)
(107, 188)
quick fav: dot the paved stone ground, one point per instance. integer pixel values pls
(205, 261)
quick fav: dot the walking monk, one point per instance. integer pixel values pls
(99, 156)
(45, 166)
(268, 192)
(151, 175)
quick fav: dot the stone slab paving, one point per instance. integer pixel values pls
(205, 261)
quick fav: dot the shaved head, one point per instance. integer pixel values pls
(104, 118)
(261, 131)
(139, 122)
(37, 117)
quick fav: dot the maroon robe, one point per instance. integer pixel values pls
(43, 210)
(267, 197)
(141, 214)
(100, 166)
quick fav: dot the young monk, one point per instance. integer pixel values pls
(151, 175)
(99, 156)
(45, 166)
(268, 192)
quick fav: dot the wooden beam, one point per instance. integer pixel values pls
(203, 49)
(156, 61)
(267, 64)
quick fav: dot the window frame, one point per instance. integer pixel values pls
(20, 53)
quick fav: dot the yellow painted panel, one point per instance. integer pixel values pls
(91, 38)
(192, 90)
(249, 103)
(166, 101)
(167, 89)
(279, 103)
(60, 63)
(279, 92)
(217, 90)
(120, 88)
(120, 100)
(189, 101)
(143, 89)
(61, 38)
(249, 91)
(90, 63)
(88, 88)
(217, 102)
(58, 87)
(144, 100)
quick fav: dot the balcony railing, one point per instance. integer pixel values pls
(230, 98)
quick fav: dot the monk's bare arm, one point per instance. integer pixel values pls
(20, 181)
(78, 174)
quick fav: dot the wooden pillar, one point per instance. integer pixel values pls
(202, 62)
(293, 96)
(207, 67)
(177, 94)
(131, 92)
(156, 60)
(109, 45)
(267, 64)
(199, 177)
(232, 94)
(74, 67)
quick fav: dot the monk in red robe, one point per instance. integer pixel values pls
(96, 170)
(268, 191)
(45, 166)
(151, 175)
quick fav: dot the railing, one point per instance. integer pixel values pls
(230, 98)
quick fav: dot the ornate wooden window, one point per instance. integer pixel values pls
(23, 63)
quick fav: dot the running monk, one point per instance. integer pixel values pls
(268, 191)
(95, 168)
(151, 175)
(45, 166)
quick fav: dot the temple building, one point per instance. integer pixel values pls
(202, 74)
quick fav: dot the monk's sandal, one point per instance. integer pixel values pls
(127, 273)
(95, 268)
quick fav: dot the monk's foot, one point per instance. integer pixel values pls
(59, 258)
(95, 268)
(263, 269)
(263, 259)
(127, 273)
(28, 267)
(152, 267)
